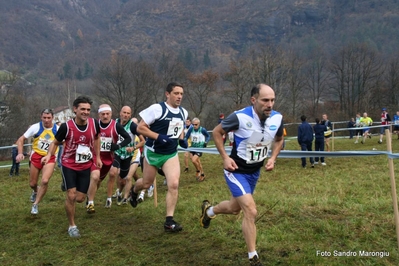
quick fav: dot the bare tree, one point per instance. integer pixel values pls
(295, 83)
(113, 81)
(240, 79)
(316, 79)
(355, 71)
(199, 89)
(392, 80)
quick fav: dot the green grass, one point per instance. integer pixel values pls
(344, 206)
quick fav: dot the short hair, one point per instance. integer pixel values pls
(196, 119)
(317, 120)
(82, 99)
(172, 85)
(303, 118)
(255, 90)
(47, 111)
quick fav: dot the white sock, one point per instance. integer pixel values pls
(252, 254)
(72, 226)
(109, 199)
(210, 212)
(90, 202)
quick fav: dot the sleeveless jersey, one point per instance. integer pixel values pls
(168, 124)
(252, 141)
(43, 138)
(384, 119)
(108, 135)
(79, 145)
(122, 153)
(197, 138)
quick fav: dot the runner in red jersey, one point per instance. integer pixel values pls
(82, 142)
(109, 135)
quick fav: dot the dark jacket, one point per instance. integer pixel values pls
(319, 131)
(305, 133)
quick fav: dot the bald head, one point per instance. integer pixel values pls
(262, 98)
(125, 114)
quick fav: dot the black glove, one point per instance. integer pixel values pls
(164, 139)
(205, 144)
(115, 146)
(183, 143)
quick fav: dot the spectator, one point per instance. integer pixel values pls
(319, 130)
(15, 164)
(305, 139)
(351, 124)
(328, 132)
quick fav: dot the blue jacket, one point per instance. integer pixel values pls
(319, 131)
(305, 133)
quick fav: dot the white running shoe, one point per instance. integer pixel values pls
(116, 193)
(140, 199)
(35, 209)
(324, 164)
(150, 191)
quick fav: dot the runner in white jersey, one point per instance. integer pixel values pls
(255, 128)
(163, 125)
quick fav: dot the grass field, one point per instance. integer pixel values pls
(305, 215)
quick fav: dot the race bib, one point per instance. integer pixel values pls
(175, 128)
(257, 152)
(105, 144)
(83, 154)
(43, 145)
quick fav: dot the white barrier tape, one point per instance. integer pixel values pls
(301, 154)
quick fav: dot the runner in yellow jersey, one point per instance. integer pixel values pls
(43, 134)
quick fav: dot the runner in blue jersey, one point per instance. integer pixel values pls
(255, 129)
(163, 125)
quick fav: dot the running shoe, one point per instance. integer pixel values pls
(205, 219)
(116, 193)
(108, 204)
(140, 199)
(255, 261)
(33, 196)
(90, 208)
(122, 202)
(186, 170)
(172, 227)
(73, 232)
(35, 209)
(133, 197)
(150, 191)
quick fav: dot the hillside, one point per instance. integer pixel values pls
(39, 36)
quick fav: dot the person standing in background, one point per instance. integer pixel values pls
(305, 139)
(319, 130)
(328, 132)
(351, 124)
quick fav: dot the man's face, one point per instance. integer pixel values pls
(47, 119)
(196, 124)
(82, 111)
(188, 122)
(324, 117)
(175, 96)
(105, 116)
(264, 103)
(125, 115)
